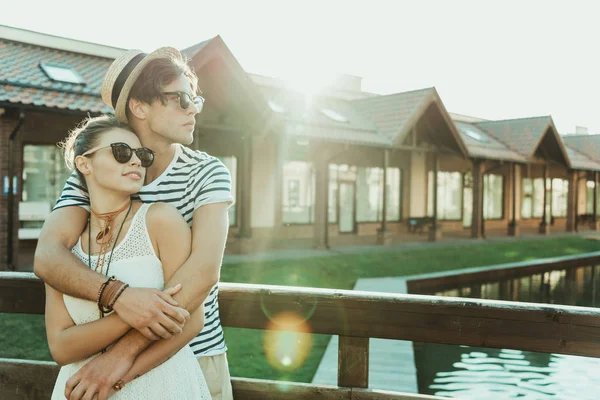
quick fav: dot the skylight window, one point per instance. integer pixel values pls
(476, 135)
(276, 107)
(62, 73)
(334, 115)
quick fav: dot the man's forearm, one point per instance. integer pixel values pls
(197, 280)
(60, 268)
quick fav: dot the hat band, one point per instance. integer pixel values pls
(122, 78)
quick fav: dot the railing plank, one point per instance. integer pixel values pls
(524, 326)
(34, 380)
(353, 362)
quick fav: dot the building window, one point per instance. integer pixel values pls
(231, 163)
(533, 198)
(333, 194)
(590, 198)
(393, 194)
(369, 194)
(334, 115)
(493, 196)
(298, 193)
(527, 206)
(62, 73)
(449, 193)
(560, 191)
(44, 176)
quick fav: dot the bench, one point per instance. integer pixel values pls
(418, 224)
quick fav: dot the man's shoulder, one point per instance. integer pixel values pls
(195, 157)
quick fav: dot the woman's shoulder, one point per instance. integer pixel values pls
(163, 213)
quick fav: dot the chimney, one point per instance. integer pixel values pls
(581, 130)
(347, 82)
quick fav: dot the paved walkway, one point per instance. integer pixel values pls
(391, 362)
(312, 253)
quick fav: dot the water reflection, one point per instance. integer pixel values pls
(481, 373)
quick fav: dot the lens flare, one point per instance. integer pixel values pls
(286, 350)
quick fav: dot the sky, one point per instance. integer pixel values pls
(490, 59)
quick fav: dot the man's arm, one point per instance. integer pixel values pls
(201, 272)
(150, 311)
(54, 262)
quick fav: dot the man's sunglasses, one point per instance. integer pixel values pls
(123, 153)
(185, 99)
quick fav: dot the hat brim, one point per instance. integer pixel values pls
(121, 106)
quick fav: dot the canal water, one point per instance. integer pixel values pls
(482, 373)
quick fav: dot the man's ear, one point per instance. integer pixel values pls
(83, 165)
(138, 108)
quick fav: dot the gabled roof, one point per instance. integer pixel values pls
(395, 115)
(588, 145)
(525, 135)
(22, 80)
(581, 161)
(205, 51)
(481, 144)
(303, 116)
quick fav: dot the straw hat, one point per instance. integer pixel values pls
(123, 73)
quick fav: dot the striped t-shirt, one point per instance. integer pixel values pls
(191, 180)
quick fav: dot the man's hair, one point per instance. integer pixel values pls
(158, 73)
(86, 136)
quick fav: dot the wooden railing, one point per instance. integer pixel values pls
(355, 317)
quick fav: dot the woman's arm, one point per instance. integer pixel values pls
(69, 342)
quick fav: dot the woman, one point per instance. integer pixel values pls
(135, 244)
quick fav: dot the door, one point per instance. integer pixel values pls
(347, 207)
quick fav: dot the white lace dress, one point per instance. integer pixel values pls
(135, 262)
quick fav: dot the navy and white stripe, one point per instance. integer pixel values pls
(193, 179)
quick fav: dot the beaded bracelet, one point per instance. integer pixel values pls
(112, 288)
(114, 300)
(101, 291)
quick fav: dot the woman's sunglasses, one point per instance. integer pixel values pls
(123, 153)
(185, 99)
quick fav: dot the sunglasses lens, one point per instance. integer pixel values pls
(184, 101)
(199, 102)
(146, 156)
(121, 152)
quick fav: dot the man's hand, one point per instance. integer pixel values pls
(97, 377)
(154, 313)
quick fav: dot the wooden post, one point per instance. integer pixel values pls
(477, 220)
(572, 201)
(245, 208)
(435, 231)
(383, 236)
(544, 226)
(353, 362)
(513, 226)
(321, 234)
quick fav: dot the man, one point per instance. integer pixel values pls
(156, 95)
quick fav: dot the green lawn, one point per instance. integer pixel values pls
(22, 336)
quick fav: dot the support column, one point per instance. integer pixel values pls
(435, 231)
(384, 237)
(245, 206)
(544, 225)
(477, 219)
(321, 234)
(280, 157)
(572, 201)
(595, 208)
(513, 225)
